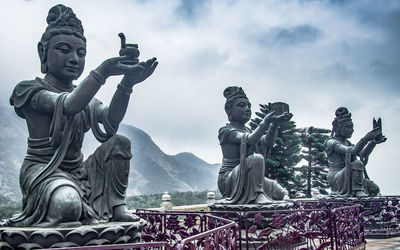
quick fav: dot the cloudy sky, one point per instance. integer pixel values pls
(314, 55)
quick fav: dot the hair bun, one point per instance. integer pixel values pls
(341, 111)
(54, 13)
(234, 91)
(61, 16)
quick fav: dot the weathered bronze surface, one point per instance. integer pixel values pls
(241, 178)
(347, 175)
(58, 187)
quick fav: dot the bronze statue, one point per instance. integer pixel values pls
(347, 175)
(241, 177)
(58, 187)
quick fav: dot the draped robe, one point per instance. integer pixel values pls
(238, 178)
(101, 180)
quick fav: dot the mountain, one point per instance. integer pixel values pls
(151, 171)
(197, 163)
(13, 139)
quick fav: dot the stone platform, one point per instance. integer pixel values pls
(87, 235)
(244, 214)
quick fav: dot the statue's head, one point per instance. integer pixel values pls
(62, 48)
(342, 124)
(237, 105)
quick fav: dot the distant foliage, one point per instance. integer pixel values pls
(284, 155)
(9, 210)
(316, 170)
(177, 199)
(134, 202)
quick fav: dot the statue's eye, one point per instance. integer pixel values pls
(82, 52)
(63, 49)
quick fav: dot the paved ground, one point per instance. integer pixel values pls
(392, 243)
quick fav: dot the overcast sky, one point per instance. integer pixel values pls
(314, 55)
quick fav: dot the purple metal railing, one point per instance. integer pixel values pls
(309, 225)
(381, 215)
(348, 227)
(184, 230)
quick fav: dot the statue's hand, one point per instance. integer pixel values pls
(380, 139)
(268, 118)
(114, 66)
(278, 119)
(373, 134)
(132, 78)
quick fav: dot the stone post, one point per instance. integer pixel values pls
(210, 197)
(166, 204)
(286, 197)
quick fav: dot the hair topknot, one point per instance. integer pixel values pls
(342, 115)
(234, 92)
(231, 94)
(62, 19)
(341, 111)
(62, 16)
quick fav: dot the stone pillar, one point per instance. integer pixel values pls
(210, 197)
(286, 197)
(166, 204)
(316, 194)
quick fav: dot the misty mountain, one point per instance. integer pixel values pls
(151, 171)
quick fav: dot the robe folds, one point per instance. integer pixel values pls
(101, 180)
(239, 179)
(346, 173)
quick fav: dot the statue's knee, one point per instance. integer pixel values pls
(119, 147)
(256, 160)
(357, 165)
(372, 188)
(120, 140)
(65, 205)
(279, 195)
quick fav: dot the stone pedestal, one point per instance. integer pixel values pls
(87, 235)
(245, 213)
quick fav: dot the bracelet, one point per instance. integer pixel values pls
(124, 89)
(99, 78)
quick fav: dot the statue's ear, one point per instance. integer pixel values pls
(43, 57)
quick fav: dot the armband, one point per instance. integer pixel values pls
(99, 78)
(124, 89)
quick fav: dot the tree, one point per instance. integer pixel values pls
(284, 155)
(315, 172)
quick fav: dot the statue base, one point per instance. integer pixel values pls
(237, 212)
(86, 235)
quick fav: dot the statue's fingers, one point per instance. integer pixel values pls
(151, 60)
(152, 68)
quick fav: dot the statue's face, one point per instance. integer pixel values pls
(66, 57)
(347, 129)
(240, 110)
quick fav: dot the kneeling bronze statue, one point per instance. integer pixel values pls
(241, 179)
(58, 187)
(347, 175)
